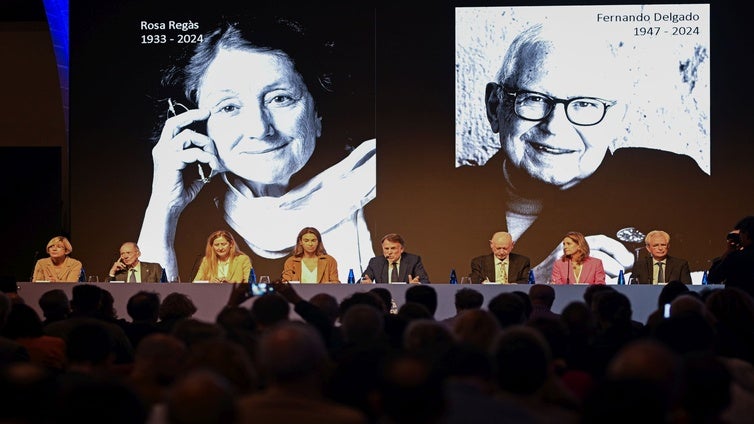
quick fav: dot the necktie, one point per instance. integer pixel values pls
(394, 273)
(132, 277)
(501, 276)
(660, 273)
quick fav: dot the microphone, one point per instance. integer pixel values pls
(568, 276)
(34, 264)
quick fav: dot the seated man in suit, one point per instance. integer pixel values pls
(395, 265)
(658, 267)
(500, 266)
(129, 268)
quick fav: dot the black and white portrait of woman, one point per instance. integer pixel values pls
(252, 119)
(258, 119)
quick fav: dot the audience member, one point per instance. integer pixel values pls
(25, 327)
(479, 328)
(201, 397)
(612, 313)
(174, 308)
(269, 309)
(732, 312)
(228, 359)
(668, 293)
(192, 331)
(55, 305)
(295, 359)
(10, 351)
(424, 295)
(143, 308)
(465, 299)
(158, 361)
(86, 305)
(542, 297)
(508, 308)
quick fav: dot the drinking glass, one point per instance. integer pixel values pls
(264, 279)
(94, 279)
(465, 280)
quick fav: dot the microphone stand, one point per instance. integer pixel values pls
(34, 265)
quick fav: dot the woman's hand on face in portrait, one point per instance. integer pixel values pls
(614, 255)
(178, 147)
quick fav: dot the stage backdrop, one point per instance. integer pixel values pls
(413, 78)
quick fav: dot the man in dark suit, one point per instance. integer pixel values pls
(500, 266)
(395, 265)
(128, 267)
(658, 267)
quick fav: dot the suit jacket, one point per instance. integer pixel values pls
(735, 270)
(483, 267)
(238, 270)
(44, 270)
(676, 269)
(410, 264)
(327, 269)
(150, 273)
(592, 272)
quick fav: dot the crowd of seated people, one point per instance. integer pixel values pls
(508, 358)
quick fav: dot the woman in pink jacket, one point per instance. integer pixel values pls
(576, 266)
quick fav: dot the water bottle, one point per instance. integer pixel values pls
(164, 276)
(704, 278)
(82, 275)
(621, 279)
(252, 281)
(351, 278)
(531, 277)
(453, 279)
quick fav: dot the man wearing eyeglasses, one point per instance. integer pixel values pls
(557, 105)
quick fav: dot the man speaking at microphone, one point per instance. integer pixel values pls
(128, 267)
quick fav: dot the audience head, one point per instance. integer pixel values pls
(328, 304)
(467, 298)
(86, 299)
(423, 294)
(670, 291)
(542, 294)
(362, 324)
(22, 322)
(368, 298)
(477, 327)
(508, 308)
(410, 311)
(160, 357)
(176, 306)
(410, 390)
(385, 295)
(593, 290)
(90, 344)
(201, 397)
(192, 331)
(144, 306)
(55, 305)
(428, 337)
(612, 308)
(270, 309)
(523, 360)
(292, 352)
(226, 358)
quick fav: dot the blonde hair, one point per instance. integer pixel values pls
(62, 240)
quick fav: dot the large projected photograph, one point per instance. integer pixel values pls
(598, 118)
(226, 118)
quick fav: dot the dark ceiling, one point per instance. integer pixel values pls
(22, 11)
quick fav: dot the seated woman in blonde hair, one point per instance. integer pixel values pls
(58, 267)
